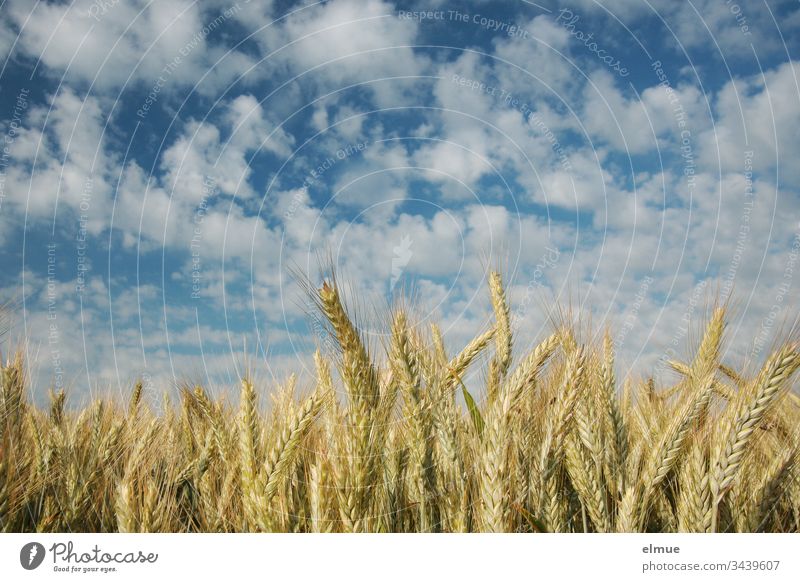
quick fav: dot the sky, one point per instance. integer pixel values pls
(172, 170)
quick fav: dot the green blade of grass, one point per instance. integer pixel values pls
(474, 412)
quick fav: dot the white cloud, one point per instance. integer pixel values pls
(759, 114)
(62, 167)
(128, 40)
(202, 153)
(347, 41)
(538, 66)
(602, 239)
(7, 37)
(734, 27)
(611, 117)
(720, 29)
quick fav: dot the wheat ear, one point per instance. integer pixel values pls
(769, 385)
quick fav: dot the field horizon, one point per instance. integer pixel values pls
(551, 441)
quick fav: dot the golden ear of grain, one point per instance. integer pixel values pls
(617, 442)
(746, 417)
(248, 427)
(585, 476)
(57, 400)
(438, 344)
(560, 448)
(357, 369)
(694, 494)
(403, 362)
(459, 364)
(13, 405)
(759, 496)
(126, 519)
(503, 338)
(287, 446)
(672, 442)
(707, 359)
(552, 447)
(663, 457)
(136, 399)
(525, 374)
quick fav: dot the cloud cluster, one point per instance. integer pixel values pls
(343, 132)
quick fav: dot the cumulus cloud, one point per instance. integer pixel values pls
(722, 30)
(348, 41)
(759, 113)
(62, 166)
(410, 168)
(111, 44)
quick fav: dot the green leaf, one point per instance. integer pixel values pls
(474, 413)
(534, 523)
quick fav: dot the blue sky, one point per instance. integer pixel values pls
(167, 164)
